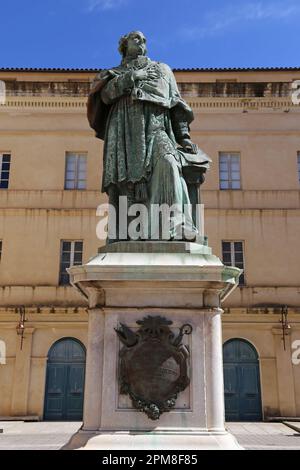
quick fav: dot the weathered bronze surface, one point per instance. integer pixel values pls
(137, 109)
(153, 365)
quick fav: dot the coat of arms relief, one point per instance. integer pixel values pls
(154, 364)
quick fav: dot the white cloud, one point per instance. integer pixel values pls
(221, 20)
(94, 5)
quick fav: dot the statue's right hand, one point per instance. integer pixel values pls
(145, 74)
(140, 74)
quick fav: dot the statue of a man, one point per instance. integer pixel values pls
(136, 108)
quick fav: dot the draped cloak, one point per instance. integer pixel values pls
(138, 121)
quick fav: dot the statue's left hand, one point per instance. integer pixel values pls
(189, 146)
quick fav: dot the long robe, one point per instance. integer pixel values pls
(140, 122)
(129, 115)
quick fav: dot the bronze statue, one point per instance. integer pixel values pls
(136, 108)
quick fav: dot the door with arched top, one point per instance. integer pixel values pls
(65, 381)
(241, 381)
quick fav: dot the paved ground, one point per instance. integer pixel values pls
(265, 436)
(52, 435)
(21, 435)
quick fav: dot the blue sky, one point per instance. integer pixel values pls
(185, 33)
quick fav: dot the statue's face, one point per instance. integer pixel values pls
(136, 44)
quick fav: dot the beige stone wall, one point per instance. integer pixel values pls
(279, 377)
(36, 213)
(23, 378)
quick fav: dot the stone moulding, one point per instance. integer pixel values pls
(41, 102)
(79, 103)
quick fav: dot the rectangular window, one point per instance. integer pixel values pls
(4, 170)
(75, 175)
(233, 255)
(70, 255)
(229, 170)
(299, 166)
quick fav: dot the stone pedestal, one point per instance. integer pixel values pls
(184, 283)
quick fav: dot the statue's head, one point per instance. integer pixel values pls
(133, 44)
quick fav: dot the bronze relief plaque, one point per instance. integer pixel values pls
(153, 364)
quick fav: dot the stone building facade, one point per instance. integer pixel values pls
(50, 173)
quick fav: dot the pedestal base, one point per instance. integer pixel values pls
(184, 284)
(164, 440)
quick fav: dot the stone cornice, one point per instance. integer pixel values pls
(242, 103)
(78, 104)
(42, 103)
(176, 69)
(80, 314)
(45, 310)
(90, 211)
(88, 200)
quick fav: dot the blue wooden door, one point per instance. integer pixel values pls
(241, 382)
(65, 381)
